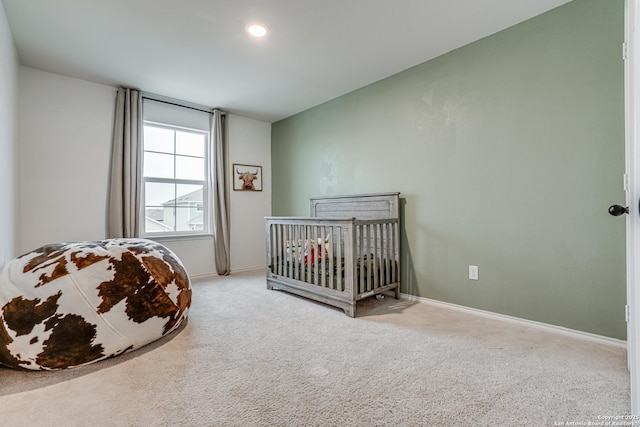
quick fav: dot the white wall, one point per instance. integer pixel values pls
(65, 129)
(249, 143)
(8, 139)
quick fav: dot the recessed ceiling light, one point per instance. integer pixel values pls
(257, 30)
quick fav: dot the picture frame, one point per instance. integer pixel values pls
(247, 177)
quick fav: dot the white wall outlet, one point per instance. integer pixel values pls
(473, 272)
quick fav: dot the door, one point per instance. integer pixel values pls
(631, 52)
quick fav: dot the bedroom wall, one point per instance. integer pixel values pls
(250, 143)
(507, 152)
(65, 129)
(8, 139)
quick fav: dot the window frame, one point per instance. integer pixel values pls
(206, 206)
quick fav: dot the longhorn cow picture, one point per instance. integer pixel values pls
(247, 177)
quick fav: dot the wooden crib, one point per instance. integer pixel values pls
(349, 249)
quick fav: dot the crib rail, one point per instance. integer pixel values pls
(311, 251)
(344, 257)
(377, 248)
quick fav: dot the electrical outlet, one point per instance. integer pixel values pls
(473, 272)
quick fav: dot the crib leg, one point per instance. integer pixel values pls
(350, 311)
(397, 292)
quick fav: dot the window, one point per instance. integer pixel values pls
(174, 166)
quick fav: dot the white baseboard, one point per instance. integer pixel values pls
(202, 277)
(522, 322)
(251, 269)
(209, 276)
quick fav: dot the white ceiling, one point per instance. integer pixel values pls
(198, 51)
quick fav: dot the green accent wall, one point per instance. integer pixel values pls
(507, 153)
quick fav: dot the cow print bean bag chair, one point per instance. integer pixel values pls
(70, 304)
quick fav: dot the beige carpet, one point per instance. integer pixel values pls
(252, 357)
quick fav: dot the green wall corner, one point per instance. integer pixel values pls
(507, 153)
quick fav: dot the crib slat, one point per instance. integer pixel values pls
(311, 253)
(365, 257)
(360, 257)
(374, 249)
(285, 261)
(382, 256)
(339, 260)
(394, 266)
(313, 260)
(296, 262)
(283, 250)
(375, 255)
(291, 251)
(365, 252)
(300, 251)
(306, 269)
(306, 262)
(391, 252)
(330, 252)
(322, 261)
(272, 256)
(317, 274)
(397, 257)
(368, 255)
(320, 257)
(387, 228)
(289, 272)
(275, 250)
(351, 253)
(269, 248)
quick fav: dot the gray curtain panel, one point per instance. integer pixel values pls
(220, 194)
(124, 183)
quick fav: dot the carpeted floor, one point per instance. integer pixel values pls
(253, 357)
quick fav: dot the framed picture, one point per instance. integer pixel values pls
(247, 177)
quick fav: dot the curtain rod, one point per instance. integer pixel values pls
(178, 103)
